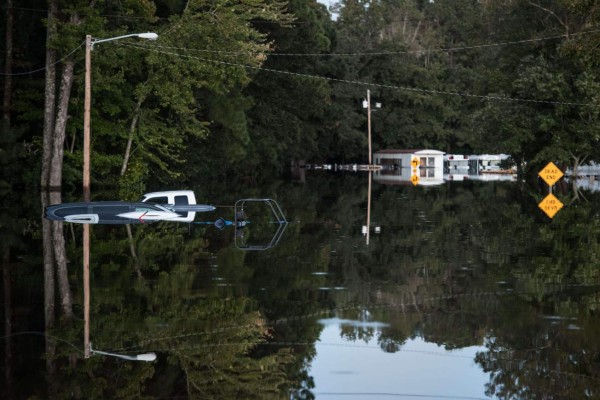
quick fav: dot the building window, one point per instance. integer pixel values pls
(427, 172)
(427, 162)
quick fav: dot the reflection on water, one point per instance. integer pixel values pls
(352, 323)
(416, 369)
(470, 276)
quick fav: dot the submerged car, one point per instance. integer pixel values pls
(110, 212)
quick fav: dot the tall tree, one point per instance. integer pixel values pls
(8, 66)
(288, 118)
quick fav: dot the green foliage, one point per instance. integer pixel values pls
(288, 113)
(236, 90)
(132, 185)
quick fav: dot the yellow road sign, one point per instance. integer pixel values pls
(415, 162)
(550, 174)
(414, 179)
(550, 205)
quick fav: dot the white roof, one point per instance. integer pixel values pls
(411, 151)
(490, 157)
(430, 152)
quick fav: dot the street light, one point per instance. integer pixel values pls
(148, 357)
(147, 35)
(89, 45)
(87, 105)
(367, 104)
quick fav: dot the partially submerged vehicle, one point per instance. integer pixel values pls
(109, 212)
(180, 201)
(175, 205)
(268, 221)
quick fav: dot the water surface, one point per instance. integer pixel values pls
(467, 291)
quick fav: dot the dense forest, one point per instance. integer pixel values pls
(239, 89)
(233, 92)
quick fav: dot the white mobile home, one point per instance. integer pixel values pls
(397, 166)
(456, 164)
(486, 163)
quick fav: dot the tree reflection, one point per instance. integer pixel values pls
(459, 265)
(537, 357)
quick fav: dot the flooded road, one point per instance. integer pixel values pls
(466, 290)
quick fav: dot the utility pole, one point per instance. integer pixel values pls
(87, 106)
(369, 122)
(367, 105)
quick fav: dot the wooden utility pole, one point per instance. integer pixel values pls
(86, 290)
(86, 194)
(369, 208)
(87, 105)
(369, 122)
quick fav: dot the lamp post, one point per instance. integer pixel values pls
(89, 45)
(367, 105)
(87, 104)
(148, 357)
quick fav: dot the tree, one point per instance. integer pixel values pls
(288, 119)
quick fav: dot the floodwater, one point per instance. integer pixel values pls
(465, 290)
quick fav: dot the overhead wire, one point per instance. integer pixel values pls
(44, 68)
(157, 48)
(362, 83)
(356, 54)
(382, 53)
(133, 17)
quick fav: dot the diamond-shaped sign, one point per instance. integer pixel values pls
(550, 205)
(551, 174)
(414, 179)
(415, 162)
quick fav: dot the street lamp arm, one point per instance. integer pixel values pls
(148, 357)
(147, 35)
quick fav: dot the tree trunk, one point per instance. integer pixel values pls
(48, 253)
(60, 257)
(132, 127)
(8, 354)
(60, 125)
(56, 164)
(7, 100)
(6, 278)
(49, 96)
(49, 295)
(136, 261)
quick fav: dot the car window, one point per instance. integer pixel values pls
(159, 200)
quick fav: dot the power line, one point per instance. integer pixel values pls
(357, 54)
(44, 11)
(44, 68)
(429, 91)
(386, 53)
(369, 84)
(132, 17)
